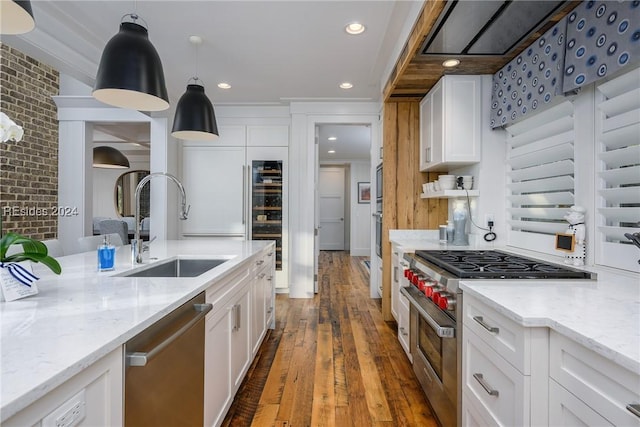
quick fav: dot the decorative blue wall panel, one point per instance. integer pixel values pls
(602, 37)
(531, 79)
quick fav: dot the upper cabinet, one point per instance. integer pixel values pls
(450, 130)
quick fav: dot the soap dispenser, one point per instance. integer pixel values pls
(460, 237)
(106, 255)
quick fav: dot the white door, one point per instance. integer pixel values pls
(331, 201)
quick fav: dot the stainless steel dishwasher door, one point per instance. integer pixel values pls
(164, 373)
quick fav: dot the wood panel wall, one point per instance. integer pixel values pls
(402, 207)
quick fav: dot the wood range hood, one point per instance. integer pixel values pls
(444, 30)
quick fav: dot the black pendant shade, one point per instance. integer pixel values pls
(109, 158)
(195, 118)
(17, 17)
(130, 72)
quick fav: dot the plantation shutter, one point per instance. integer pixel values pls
(540, 177)
(618, 170)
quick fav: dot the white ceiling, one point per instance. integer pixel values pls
(271, 52)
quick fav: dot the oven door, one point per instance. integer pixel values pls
(434, 351)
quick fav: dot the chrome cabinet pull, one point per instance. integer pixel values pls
(244, 196)
(485, 386)
(395, 273)
(402, 331)
(634, 408)
(141, 358)
(482, 323)
(238, 316)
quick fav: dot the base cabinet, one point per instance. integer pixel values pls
(235, 328)
(93, 398)
(567, 410)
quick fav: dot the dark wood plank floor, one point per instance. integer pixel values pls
(331, 361)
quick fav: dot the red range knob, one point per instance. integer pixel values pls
(443, 302)
(415, 279)
(428, 291)
(406, 273)
(435, 297)
(410, 275)
(421, 284)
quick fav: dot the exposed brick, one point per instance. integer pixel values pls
(29, 171)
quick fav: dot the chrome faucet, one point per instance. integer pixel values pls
(136, 245)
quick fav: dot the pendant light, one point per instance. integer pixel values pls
(109, 158)
(195, 118)
(130, 72)
(16, 17)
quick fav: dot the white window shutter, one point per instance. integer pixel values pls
(618, 170)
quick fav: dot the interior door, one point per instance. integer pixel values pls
(331, 205)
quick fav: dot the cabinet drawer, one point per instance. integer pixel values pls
(567, 410)
(499, 391)
(509, 339)
(403, 325)
(601, 384)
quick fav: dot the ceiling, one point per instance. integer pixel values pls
(270, 52)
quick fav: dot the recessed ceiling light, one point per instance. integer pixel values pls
(451, 63)
(224, 85)
(331, 151)
(346, 85)
(354, 28)
(332, 138)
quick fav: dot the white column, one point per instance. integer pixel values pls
(75, 182)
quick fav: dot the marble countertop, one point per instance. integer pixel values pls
(82, 315)
(603, 315)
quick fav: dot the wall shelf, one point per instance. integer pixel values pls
(448, 194)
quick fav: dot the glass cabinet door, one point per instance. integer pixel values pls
(266, 203)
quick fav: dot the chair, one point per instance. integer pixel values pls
(54, 247)
(96, 223)
(110, 226)
(131, 223)
(91, 243)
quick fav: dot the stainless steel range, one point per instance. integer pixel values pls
(431, 285)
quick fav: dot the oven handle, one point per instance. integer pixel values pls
(441, 331)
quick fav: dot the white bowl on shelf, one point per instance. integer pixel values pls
(447, 182)
(425, 187)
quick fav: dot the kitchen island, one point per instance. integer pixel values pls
(82, 316)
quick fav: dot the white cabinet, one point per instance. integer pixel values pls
(450, 123)
(95, 394)
(262, 299)
(395, 279)
(504, 368)
(567, 410)
(591, 379)
(215, 181)
(267, 135)
(235, 328)
(404, 325)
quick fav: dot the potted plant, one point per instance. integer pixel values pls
(32, 250)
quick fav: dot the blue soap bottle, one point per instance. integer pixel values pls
(106, 255)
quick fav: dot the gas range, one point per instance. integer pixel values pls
(435, 326)
(437, 273)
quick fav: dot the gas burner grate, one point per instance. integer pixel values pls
(495, 264)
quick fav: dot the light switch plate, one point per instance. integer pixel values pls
(69, 414)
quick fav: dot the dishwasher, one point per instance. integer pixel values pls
(164, 373)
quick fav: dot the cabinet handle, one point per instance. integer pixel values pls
(270, 310)
(260, 262)
(634, 408)
(485, 386)
(261, 276)
(270, 278)
(482, 323)
(244, 196)
(238, 314)
(428, 154)
(395, 273)
(402, 331)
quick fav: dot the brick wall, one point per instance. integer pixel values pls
(29, 168)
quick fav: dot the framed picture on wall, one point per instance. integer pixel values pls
(364, 192)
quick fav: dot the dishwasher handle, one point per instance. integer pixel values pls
(141, 358)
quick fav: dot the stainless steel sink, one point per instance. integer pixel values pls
(180, 267)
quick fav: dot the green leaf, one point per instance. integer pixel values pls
(33, 250)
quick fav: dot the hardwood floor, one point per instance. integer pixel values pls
(331, 361)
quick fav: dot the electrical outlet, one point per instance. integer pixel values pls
(487, 218)
(69, 414)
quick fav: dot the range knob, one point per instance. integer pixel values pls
(421, 284)
(435, 297)
(410, 275)
(446, 301)
(406, 273)
(428, 290)
(416, 278)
